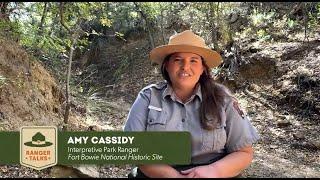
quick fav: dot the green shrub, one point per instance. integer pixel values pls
(9, 30)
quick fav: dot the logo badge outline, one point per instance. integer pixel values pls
(38, 146)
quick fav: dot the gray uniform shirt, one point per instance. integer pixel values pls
(158, 109)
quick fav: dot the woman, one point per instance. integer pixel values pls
(189, 100)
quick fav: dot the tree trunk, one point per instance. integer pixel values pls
(145, 18)
(161, 26)
(150, 37)
(4, 15)
(44, 15)
(74, 36)
(55, 22)
(67, 111)
(305, 20)
(218, 27)
(213, 27)
(230, 34)
(61, 8)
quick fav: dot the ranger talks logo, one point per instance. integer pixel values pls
(38, 146)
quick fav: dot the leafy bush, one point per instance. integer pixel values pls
(263, 35)
(262, 19)
(9, 30)
(291, 23)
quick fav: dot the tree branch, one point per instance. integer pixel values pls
(61, 8)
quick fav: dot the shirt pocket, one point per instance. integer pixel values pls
(214, 140)
(156, 120)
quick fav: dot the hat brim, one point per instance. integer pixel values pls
(37, 145)
(212, 58)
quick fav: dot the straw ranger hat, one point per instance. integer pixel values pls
(186, 41)
(38, 140)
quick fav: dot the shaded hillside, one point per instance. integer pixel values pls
(29, 95)
(120, 69)
(286, 73)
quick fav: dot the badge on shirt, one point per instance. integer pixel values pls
(237, 107)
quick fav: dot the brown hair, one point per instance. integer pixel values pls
(213, 95)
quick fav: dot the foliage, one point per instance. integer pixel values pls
(39, 28)
(261, 23)
(314, 18)
(291, 23)
(262, 19)
(263, 35)
(105, 22)
(9, 29)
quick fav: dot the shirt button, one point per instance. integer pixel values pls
(183, 120)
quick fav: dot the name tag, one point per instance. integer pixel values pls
(154, 108)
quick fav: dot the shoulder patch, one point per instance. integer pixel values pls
(237, 107)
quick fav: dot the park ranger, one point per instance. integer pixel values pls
(190, 100)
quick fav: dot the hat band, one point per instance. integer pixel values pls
(38, 142)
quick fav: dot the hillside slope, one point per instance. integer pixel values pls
(29, 95)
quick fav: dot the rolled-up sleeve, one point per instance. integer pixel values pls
(137, 117)
(240, 132)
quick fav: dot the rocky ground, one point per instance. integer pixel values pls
(278, 87)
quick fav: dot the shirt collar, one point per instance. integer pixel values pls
(168, 91)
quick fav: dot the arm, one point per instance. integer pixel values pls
(160, 171)
(232, 164)
(229, 166)
(240, 137)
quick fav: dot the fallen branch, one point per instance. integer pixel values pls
(106, 86)
(86, 78)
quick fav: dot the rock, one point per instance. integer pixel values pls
(298, 136)
(1, 116)
(253, 49)
(88, 170)
(251, 112)
(317, 106)
(269, 114)
(311, 145)
(316, 144)
(254, 87)
(63, 172)
(258, 104)
(75, 171)
(95, 127)
(273, 146)
(3, 169)
(275, 93)
(285, 84)
(283, 123)
(285, 117)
